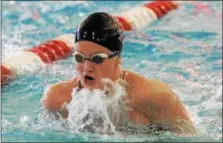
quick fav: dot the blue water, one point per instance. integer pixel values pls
(183, 49)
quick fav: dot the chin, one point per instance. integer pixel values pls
(92, 86)
(89, 87)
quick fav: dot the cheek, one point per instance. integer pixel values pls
(79, 68)
(107, 69)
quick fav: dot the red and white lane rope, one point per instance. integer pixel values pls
(61, 47)
(37, 57)
(140, 17)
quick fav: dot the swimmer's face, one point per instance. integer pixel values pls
(91, 73)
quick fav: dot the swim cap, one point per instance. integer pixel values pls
(103, 29)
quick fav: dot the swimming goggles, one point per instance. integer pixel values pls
(96, 58)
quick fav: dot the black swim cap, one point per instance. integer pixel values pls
(103, 29)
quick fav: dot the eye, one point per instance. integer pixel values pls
(79, 58)
(98, 59)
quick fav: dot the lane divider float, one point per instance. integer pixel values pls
(62, 46)
(37, 57)
(140, 17)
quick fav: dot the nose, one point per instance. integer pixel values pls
(88, 66)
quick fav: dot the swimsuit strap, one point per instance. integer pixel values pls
(79, 85)
(124, 75)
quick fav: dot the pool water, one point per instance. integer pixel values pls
(183, 49)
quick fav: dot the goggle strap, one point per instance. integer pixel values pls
(113, 55)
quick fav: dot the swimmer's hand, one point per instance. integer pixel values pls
(109, 85)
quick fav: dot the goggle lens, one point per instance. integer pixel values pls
(95, 58)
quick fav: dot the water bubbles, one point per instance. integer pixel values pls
(219, 94)
(51, 119)
(93, 111)
(25, 120)
(6, 123)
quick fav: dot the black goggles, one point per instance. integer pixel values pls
(96, 58)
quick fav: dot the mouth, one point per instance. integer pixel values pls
(89, 80)
(87, 77)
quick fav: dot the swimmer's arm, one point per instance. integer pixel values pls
(166, 108)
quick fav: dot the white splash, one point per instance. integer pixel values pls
(94, 111)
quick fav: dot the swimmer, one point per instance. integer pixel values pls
(98, 48)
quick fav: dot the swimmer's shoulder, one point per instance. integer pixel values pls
(57, 94)
(140, 81)
(62, 89)
(152, 89)
(65, 85)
